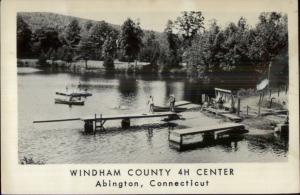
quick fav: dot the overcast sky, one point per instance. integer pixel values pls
(157, 20)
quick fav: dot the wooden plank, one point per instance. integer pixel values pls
(223, 90)
(57, 120)
(211, 128)
(231, 116)
(190, 106)
(182, 103)
(216, 111)
(131, 116)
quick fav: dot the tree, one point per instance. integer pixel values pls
(151, 49)
(72, 33)
(131, 39)
(270, 37)
(47, 40)
(109, 51)
(23, 38)
(174, 45)
(98, 34)
(85, 47)
(189, 24)
(88, 25)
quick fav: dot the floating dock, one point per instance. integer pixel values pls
(211, 131)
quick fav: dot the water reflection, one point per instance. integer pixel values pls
(128, 86)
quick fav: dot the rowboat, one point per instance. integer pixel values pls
(75, 94)
(70, 101)
(166, 109)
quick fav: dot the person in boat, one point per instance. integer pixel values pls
(172, 102)
(150, 103)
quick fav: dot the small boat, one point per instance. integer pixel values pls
(70, 101)
(75, 94)
(166, 109)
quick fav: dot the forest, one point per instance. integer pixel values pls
(190, 43)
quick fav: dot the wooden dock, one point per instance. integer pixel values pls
(212, 131)
(91, 124)
(224, 113)
(231, 117)
(215, 111)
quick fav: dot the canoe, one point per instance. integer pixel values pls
(75, 94)
(69, 102)
(166, 109)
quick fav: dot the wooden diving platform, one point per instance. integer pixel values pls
(212, 131)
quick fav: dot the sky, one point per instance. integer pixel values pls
(157, 20)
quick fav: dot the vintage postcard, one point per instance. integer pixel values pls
(149, 97)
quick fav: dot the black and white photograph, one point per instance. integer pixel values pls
(193, 87)
(151, 96)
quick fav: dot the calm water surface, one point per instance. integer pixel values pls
(65, 142)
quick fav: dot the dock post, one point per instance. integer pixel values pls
(125, 123)
(101, 125)
(248, 110)
(180, 141)
(95, 123)
(238, 106)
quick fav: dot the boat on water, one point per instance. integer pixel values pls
(70, 101)
(75, 94)
(167, 109)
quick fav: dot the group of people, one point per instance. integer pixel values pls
(171, 102)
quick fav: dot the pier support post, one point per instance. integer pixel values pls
(238, 107)
(125, 123)
(88, 126)
(180, 141)
(248, 110)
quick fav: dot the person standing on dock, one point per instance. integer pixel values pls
(150, 103)
(172, 103)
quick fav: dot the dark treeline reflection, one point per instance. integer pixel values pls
(128, 85)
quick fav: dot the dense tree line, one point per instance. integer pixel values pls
(235, 48)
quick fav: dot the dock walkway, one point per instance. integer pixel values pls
(94, 123)
(224, 113)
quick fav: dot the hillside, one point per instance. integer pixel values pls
(36, 20)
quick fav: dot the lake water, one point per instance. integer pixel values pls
(65, 143)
